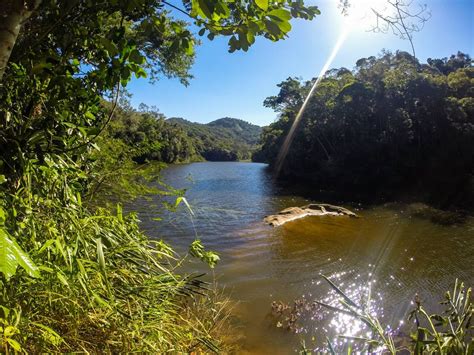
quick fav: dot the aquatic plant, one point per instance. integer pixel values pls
(450, 332)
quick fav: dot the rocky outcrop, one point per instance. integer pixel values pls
(314, 209)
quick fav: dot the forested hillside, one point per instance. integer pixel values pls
(389, 126)
(149, 136)
(223, 139)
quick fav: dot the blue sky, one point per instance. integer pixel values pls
(235, 85)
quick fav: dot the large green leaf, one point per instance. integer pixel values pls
(280, 14)
(12, 256)
(263, 4)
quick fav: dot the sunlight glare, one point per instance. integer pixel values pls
(360, 13)
(358, 16)
(289, 138)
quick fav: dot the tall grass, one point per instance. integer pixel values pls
(103, 285)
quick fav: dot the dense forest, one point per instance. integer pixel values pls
(225, 139)
(390, 127)
(149, 136)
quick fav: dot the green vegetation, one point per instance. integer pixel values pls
(222, 139)
(392, 126)
(75, 277)
(148, 136)
(449, 332)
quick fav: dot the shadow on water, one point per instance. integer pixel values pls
(398, 252)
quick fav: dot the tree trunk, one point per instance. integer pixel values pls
(12, 15)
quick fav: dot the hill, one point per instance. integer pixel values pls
(240, 129)
(225, 139)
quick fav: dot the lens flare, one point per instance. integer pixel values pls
(358, 16)
(289, 138)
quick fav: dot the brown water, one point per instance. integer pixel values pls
(399, 255)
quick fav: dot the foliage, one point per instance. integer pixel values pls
(147, 136)
(223, 139)
(103, 285)
(12, 256)
(270, 19)
(197, 250)
(239, 129)
(391, 125)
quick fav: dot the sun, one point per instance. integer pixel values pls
(360, 14)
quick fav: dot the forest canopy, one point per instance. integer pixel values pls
(149, 136)
(389, 126)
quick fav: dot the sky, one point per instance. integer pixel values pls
(235, 85)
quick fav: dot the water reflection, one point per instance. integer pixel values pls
(399, 254)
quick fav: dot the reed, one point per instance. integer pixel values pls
(449, 332)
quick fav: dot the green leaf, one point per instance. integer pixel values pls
(178, 201)
(12, 256)
(263, 4)
(272, 28)
(14, 344)
(109, 46)
(284, 26)
(281, 14)
(9, 331)
(222, 9)
(49, 334)
(206, 7)
(62, 279)
(136, 57)
(197, 250)
(250, 38)
(2, 216)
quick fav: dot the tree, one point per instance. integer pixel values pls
(13, 13)
(86, 50)
(149, 23)
(103, 285)
(391, 125)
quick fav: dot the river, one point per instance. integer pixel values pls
(398, 254)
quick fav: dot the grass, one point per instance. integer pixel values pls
(103, 286)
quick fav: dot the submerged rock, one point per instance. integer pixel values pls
(437, 216)
(313, 209)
